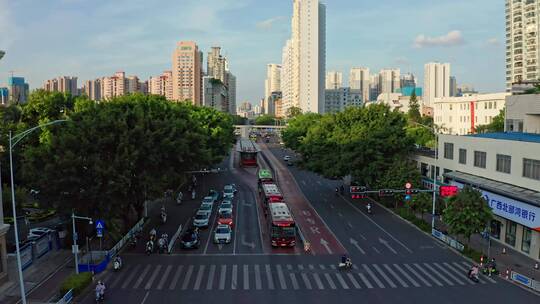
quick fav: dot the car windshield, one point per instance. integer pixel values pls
(200, 216)
(207, 200)
(226, 215)
(226, 205)
(205, 207)
(222, 230)
(228, 190)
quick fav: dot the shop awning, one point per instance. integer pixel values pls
(525, 195)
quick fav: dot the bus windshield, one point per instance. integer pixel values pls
(283, 232)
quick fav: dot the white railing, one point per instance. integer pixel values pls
(173, 239)
(67, 298)
(125, 239)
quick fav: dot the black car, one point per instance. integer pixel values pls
(190, 239)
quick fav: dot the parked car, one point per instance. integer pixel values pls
(201, 219)
(286, 158)
(39, 231)
(223, 234)
(229, 191)
(208, 199)
(190, 239)
(226, 218)
(226, 206)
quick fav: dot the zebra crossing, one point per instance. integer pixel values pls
(291, 277)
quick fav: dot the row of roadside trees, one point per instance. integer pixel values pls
(109, 157)
(373, 145)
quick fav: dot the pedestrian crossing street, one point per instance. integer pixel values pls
(291, 277)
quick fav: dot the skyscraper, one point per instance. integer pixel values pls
(305, 58)
(92, 89)
(64, 84)
(522, 41)
(359, 79)
(453, 86)
(18, 90)
(113, 86)
(273, 80)
(186, 72)
(389, 81)
(436, 81)
(334, 80)
(408, 80)
(231, 89)
(216, 64)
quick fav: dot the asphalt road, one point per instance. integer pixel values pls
(393, 262)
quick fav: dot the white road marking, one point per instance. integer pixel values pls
(438, 274)
(448, 274)
(372, 221)
(222, 277)
(188, 277)
(354, 281)
(416, 274)
(128, 280)
(355, 244)
(316, 278)
(145, 297)
(372, 275)
(386, 278)
(304, 277)
(234, 280)
(342, 281)
(246, 277)
(349, 224)
(258, 281)
(211, 274)
(269, 278)
(164, 277)
(427, 274)
(397, 277)
(281, 277)
(198, 280)
(455, 271)
(330, 281)
(406, 275)
(141, 276)
(365, 280)
(385, 243)
(376, 250)
(152, 277)
(176, 277)
(293, 277)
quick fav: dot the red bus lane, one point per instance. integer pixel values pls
(314, 229)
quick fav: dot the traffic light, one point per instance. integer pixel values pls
(386, 192)
(358, 192)
(411, 191)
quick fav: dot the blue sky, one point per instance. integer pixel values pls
(94, 38)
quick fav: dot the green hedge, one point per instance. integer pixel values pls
(77, 282)
(473, 254)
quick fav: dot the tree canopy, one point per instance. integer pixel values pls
(497, 125)
(109, 157)
(414, 108)
(265, 120)
(467, 213)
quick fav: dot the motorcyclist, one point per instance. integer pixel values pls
(118, 260)
(149, 246)
(163, 209)
(491, 266)
(100, 290)
(337, 190)
(193, 193)
(161, 243)
(473, 272)
(153, 234)
(368, 207)
(179, 197)
(344, 259)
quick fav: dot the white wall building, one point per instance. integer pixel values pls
(273, 79)
(304, 57)
(436, 81)
(334, 80)
(523, 113)
(359, 79)
(389, 80)
(522, 41)
(461, 115)
(339, 99)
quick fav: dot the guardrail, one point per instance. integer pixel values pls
(525, 281)
(137, 227)
(173, 239)
(67, 298)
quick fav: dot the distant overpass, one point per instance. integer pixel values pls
(245, 129)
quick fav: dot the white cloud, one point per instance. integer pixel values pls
(453, 38)
(269, 23)
(493, 41)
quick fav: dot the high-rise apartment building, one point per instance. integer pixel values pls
(92, 89)
(215, 94)
(453, 86)
(231, 92)
(113, 86)
(161, 85)
(407, 81)
(334, 80)
(359, 79)
(64, 84)
(436, 81)
(18, 90)
(337, 100)
(216, 65)
(389, 80)
(522, 41)
(304, 58)
(187, 72)
(273, 80)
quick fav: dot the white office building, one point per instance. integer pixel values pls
(304, 58)
(273, 80)
(389, 81)
(436, 81)
(338, 100)
(461, 115)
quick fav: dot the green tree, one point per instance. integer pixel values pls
(265, 120)
(400, 172)
(297, 129)
(422, 202)
(467, 213)
(421, 136)
(497, 125)
(239, 120)
(112, 156)
(414, 108)
(292, 112)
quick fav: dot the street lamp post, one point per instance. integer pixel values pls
(13, 141)
(75, 249)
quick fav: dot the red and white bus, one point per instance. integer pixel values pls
(248, 152)
(281, 226)
(269, 193)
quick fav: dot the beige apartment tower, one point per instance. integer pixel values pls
(187, 72)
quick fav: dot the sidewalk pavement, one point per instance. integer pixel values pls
(512, 259)
(41, 280)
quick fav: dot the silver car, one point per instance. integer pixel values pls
(229, 191)
(223, 234)
(226, 206)
(206, 207)
(201, 219)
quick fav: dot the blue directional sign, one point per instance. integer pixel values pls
(100, 225)
(407, 197)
